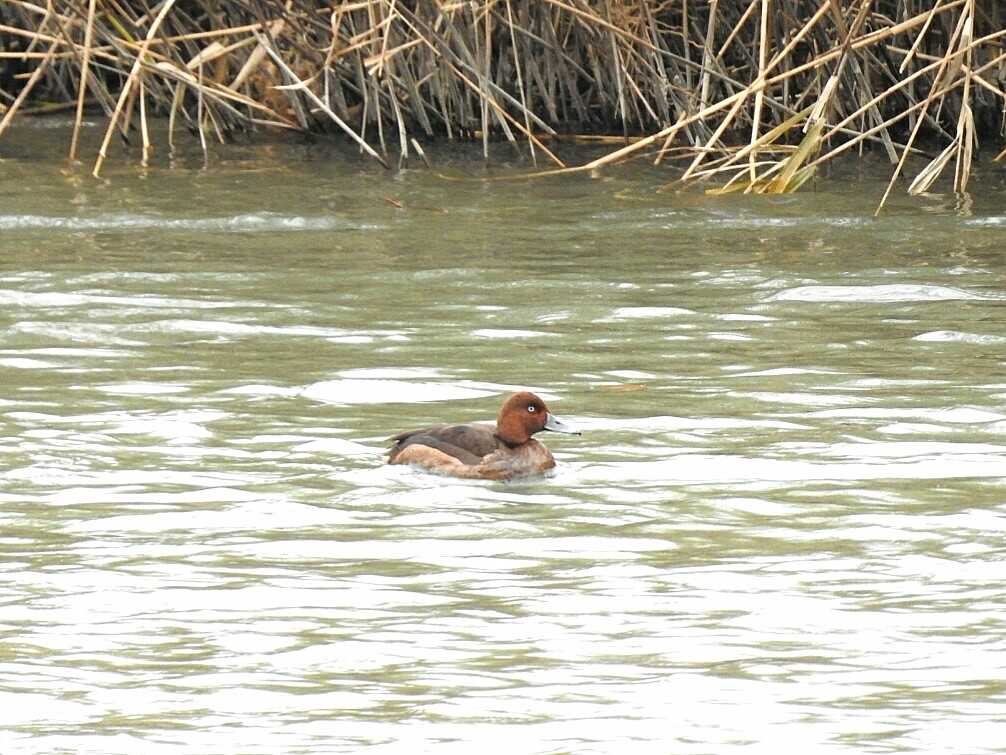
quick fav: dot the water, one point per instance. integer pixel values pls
(781, 530)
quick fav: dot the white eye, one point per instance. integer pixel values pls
(530, 408)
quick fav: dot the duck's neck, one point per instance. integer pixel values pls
(508, 443)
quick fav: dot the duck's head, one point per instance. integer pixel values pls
(524, 414)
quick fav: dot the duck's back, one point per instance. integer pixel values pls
(466, 443)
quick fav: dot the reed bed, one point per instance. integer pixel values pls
(744, 95)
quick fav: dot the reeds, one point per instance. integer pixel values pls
(751, 94)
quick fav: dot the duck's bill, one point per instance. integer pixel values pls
(556, 425)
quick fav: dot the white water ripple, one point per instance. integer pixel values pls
(896, 292)
(245, 223)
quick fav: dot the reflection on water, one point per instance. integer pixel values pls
(781, 530)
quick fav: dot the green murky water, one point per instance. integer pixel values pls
(781, 530)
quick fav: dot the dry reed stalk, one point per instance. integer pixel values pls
(201, 113)
(759, 101)
(84, 73)
(520, 78)
(965, 123)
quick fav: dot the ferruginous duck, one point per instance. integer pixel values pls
(482, 451)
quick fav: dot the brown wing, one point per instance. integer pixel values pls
(466, 443)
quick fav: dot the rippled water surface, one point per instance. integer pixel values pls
(781, 531)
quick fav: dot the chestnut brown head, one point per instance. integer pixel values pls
(523, 415)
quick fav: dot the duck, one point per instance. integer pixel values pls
(482, 451)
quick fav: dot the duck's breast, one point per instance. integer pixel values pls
(529, 458)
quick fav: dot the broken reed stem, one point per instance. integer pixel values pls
(738, 86)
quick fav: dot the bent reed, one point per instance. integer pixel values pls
(752, 94)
